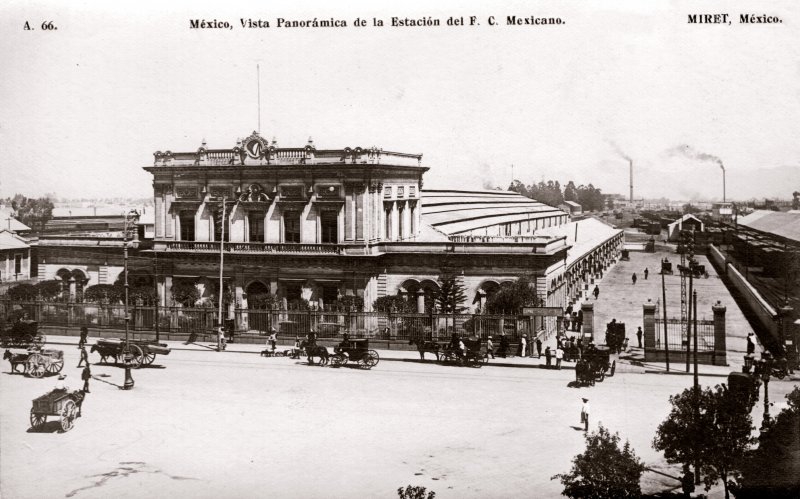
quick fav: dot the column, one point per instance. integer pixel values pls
(587, 330)
(720, 335)
(420, 301)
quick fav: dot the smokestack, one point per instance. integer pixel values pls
(723, 182)
(631, 162)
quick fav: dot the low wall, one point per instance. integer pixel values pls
(767, 316)
(677, 358)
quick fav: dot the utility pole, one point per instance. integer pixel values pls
(664, 301)
(221, 262)
(128, 384)
(158, 298)
(694, 308)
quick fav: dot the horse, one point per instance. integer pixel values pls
(105, 352)
(315, 351)
(425, 346)
(16, 359)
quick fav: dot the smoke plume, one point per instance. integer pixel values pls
(619, 150)
(691, 153)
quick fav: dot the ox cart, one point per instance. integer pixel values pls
(357, 351)
(134, 353)
(63, 404)
(474, 356)
(36, 363)
(593, 366)
(21, 333)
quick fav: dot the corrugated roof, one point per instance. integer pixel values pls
(8, 222)
(590, 234)
(455, 212)
(10, 241)
(782, 224)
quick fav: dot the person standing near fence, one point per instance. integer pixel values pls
(639, 336)
(503, 345)
(523, 345)
(86, 375)
(539, 343)
(559, 356)
(84, 334)
(489, 347)
(548, 356)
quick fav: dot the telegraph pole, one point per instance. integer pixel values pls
(158, 298)
(128, 384)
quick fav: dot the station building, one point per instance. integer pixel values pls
(323, 224)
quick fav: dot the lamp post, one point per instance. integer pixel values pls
(129, 217)
(765, 371)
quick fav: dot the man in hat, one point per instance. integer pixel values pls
(523, 345)
(84, 334)
(751, 346)
(639, 336)
(547, 356)
(539, 343)
(489, 347)
(86, 375)
(503, 345)
(273, 339)
(585, 414)
(61, 384)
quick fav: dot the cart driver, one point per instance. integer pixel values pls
(344, 344)
(61, 384)
(273, 339)
(311, 337)
(462, 348)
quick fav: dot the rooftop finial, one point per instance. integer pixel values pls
(310, 141)
(203, 144)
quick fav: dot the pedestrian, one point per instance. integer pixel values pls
(61, 384)
(462, 348)
(84, 334)
(86, 376)
(489, 347)
(523, 345)
(646, 271)
(585, 414)
(559, 356)
(751, 346)
(503, 345)
(220, 339)
(273, 339)
(625, 344)
(633, 278)
(539, 347)
(639, 336)
(547, 356)
(84, 357)
(596, 291)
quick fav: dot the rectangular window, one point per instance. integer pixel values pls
(329, 227)
(401, 192)
(412, 191)
(255, 222)
(330, 294)
(291, 227)
(294, 291)
(387, 192)
(187, 225)
(17, 264)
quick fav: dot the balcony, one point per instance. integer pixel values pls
(249, 248)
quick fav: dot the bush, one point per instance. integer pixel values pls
(104, 293)
(262, 301)
(415, 492)
(49, 289)
(394, 304)
(511, 297)
(23, 292)
(185, 293)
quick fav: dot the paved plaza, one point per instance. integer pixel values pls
(205, 424)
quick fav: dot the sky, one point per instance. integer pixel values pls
(83, 107)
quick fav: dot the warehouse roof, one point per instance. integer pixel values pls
(782, 224)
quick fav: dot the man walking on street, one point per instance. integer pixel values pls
(489, 347)
(585, 414)
(86, 376)
(539, 346)
(633, 278)
(523, 345)
(596, 291)
(547, 356)
(646, 271)
(503, 345)
(84, 357)
(639, 336)
(559, 356)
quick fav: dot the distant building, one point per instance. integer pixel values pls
(686, 222)
(722, 212)
(9, 222)
(15, 257)
(571, 207)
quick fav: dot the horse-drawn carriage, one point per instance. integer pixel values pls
(63, 404)
(666, 267)
(355, 351)
(474, 356)
(36, 363)
(694, 269)
(134, 353)
(21, 333)
(593, 365)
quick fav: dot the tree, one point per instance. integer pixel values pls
(49, 289)
(511, 297)
(185, 293)
(773, 469)
(570, 192)
(23, 292)
(262, 301)
(104, 293)
(451, 293)
(415, 492)
(394, 304)
(32, 212)
(713, 435)
(604, 470)
(350, 302)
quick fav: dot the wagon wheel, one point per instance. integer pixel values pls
(338, 360)
(613, 367)
(55, 366)
(370, 359)
(601, 376)
(37, 420)
(36, 365)
(132, 356)
(148, 359)
(68, 415)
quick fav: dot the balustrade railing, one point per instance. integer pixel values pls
(213, 247)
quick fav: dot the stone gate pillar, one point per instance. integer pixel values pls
(587, 330)
(649, 327)
(720, 338)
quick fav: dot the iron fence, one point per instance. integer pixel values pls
(261, 322)
(676, 333)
